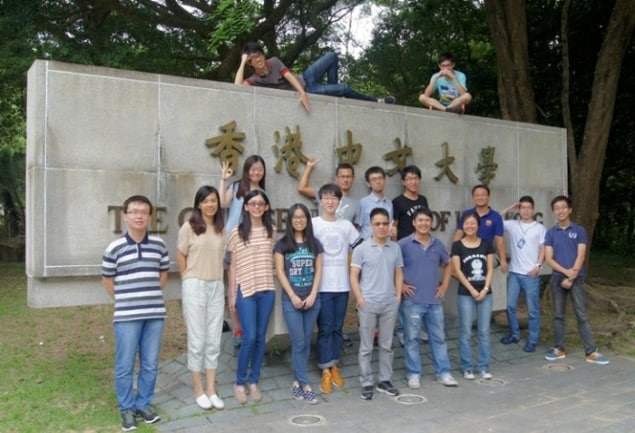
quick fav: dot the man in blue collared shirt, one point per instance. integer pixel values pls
(565, 252)
(491, 227)
(376, 181)
(423, 256)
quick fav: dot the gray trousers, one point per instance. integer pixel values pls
(559, 296)
(382, 317)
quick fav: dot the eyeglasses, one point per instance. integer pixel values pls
(411, 179)
(138, 212)
(375, 178)
(256, 204)
(330, 198)
(559, 208)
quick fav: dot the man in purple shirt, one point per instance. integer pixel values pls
(424, 255)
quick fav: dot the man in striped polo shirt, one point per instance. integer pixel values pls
(134, 272)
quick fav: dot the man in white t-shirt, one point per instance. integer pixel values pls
(338, 236)
(526, 244)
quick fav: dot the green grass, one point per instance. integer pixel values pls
(56, 371)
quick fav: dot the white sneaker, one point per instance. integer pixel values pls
(447, 380)
(468, 375)
(216, 402)
(414, 382)
(203, 402)
(486, 375)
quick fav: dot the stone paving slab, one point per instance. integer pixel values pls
(527, 394)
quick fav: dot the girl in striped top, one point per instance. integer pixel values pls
(251, 288)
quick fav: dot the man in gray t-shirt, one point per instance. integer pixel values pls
(273, 73)
(376, 282)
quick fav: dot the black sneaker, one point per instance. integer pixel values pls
(148, 416)
(387, 388)
(128, 421)
(367, 392)
(389, 99)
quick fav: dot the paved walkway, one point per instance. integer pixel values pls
(527, 394)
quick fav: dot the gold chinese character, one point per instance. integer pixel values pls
(351, 153)
(444, 164)
(290, 151)
(227, 145)
(398, 156)
(486, 167)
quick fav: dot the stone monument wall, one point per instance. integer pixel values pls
(96, 136)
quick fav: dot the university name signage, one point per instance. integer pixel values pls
(442, 220)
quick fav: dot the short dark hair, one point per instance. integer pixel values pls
(422, 211)
(136, 198)
(410, 169)
(527, 199)
(344, 166)
(445, 56)
(330, 189)
(561, 198)
(474, 215)
(252, 47)
(374, 170)
(379, 211)
(485, 187)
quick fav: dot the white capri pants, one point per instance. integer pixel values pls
(203, 309)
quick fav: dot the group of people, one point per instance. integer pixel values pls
(446, 91)
(381, 250)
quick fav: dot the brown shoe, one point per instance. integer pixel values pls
(326, 385)
(240, 394)
(336, 377)
(254, 392)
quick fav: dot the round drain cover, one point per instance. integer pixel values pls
(306, 420)
(410, 399)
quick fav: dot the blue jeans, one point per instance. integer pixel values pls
(254, 312)
(578, 298)
(531, 285)
(432, 316)
(300, 324)
(327, 65)
(465, 307)
(330, 323)
(132, 337)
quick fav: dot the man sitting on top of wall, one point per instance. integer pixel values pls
(273, 73)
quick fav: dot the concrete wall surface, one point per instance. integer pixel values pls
(96, 136)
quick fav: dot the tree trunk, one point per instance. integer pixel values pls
(585, 185)
(507, 21)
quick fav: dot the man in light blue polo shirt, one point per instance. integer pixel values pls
(423, 255)
(376, 181)
(376, 281)
(565, 252)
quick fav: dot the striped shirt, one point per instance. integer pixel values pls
(136, 269)
(254, 261)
